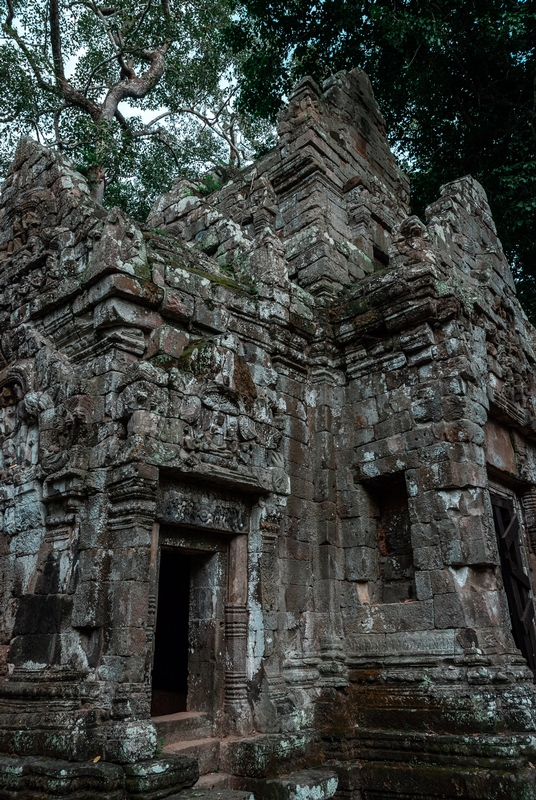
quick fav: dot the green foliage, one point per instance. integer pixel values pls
(455, 80)
(134, 92)
(209, 184)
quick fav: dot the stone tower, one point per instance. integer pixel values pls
(267, 481)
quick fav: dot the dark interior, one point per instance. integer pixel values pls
(170, 666)
(394, 534)
(517, 584)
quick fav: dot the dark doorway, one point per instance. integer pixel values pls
(516, 583)
(170, 665)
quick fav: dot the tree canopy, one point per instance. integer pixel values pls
(135, 92)
(455, 80)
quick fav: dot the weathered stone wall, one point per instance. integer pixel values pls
(313, 394)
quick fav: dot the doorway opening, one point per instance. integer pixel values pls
(170, 665)
(188, 656)
(517, 584)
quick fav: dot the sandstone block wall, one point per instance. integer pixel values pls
(326, 408)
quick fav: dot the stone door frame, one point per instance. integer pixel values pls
(208, 520)
(515, 569)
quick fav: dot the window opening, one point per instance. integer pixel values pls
(397, 570)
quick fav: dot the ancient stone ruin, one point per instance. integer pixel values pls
(267, 482)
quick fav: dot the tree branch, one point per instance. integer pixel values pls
(76, 98)
(159, 117)
(55, 40)
(10, 118)
(142, 17)
(62, 88)
(135, 87)
(94, 71)
(30, 58)
(212, 125)
(56, 119)
(122, 121)
(171, 150)
(10, 13)
(101, 14)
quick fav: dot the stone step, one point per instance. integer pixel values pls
(211, 794)
(39, 777)
(182, 726)
(205, 751)
(307, 784)
(158, 777)
(271, 754)
(215, 780)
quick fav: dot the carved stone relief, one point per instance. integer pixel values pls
(203, 508)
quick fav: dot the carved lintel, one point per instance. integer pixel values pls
(189, 505)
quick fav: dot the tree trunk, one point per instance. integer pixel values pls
(97, 183)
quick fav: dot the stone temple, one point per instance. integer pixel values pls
(267, 482)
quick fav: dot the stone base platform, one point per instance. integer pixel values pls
(31, 778)
(389, 766)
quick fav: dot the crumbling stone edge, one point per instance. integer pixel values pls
(29, 777)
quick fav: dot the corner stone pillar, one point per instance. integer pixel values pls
(127, 652)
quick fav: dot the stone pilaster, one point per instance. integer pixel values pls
(237, 710)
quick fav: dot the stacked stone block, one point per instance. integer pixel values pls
(316, 398)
